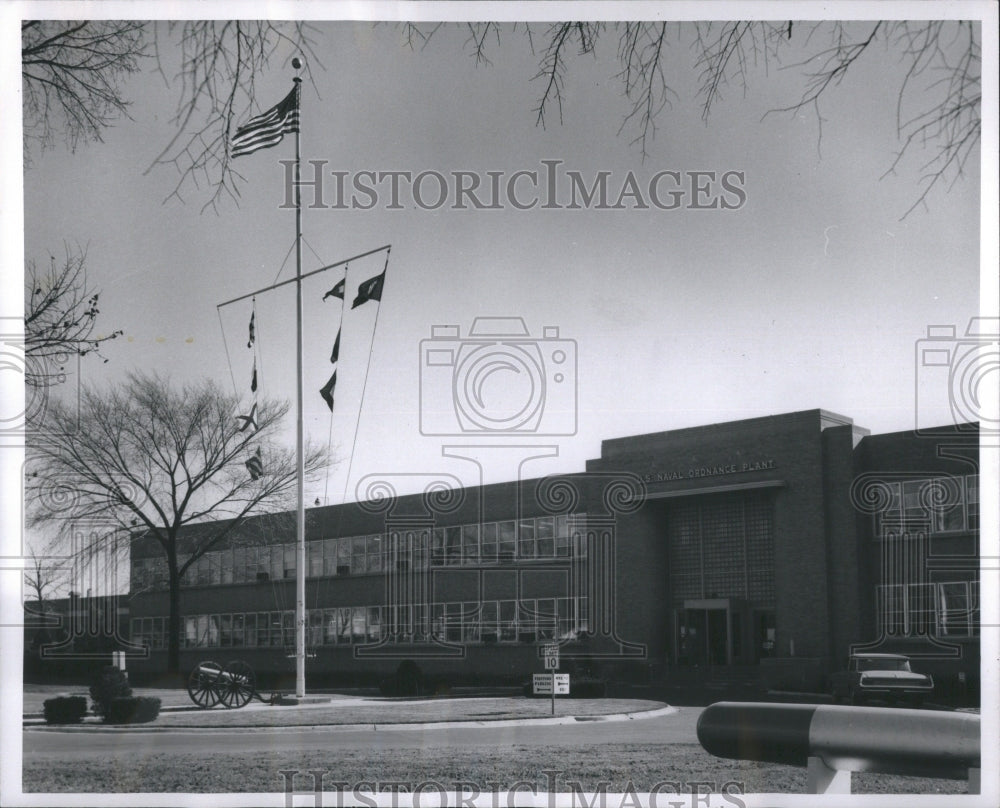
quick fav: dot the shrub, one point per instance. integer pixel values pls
(132, 710)
(408, 680)
(111, 684)
(587, 688)
(65, 709)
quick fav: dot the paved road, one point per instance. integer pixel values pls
(48, 745)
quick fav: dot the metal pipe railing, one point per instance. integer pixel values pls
(832, 742)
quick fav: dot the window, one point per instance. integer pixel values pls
(329, 554)
(344, 557)
(470, 622)
(526, 621)
(489, 543)
(566, 619)
(358, 554)
(288, 551)
(288, 629)
(240, 565)
(275, 632)
(276, 562)
(226, 630)
(438, 621)
(545, 536)
(374, 544)
(437, 547)
(226, 565)
(972, 501)
(250, 629)
(374, 623)
(546, 618)
(453, 546)
(470, 543)
(508, 620)
(314, 553)
(421, 549)
(488, 621)
(453, 622)
(344, 626)
(506, 545)
(526, 538)
(315, 635)
(358, 624)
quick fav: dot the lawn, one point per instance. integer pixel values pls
(492, 768)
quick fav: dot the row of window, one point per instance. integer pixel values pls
(495, 542)
(949, 609)
(504, 621)
(944, 504)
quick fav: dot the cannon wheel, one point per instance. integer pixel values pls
(238, 685)
(203, 684)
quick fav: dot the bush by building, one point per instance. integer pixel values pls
(65, 709)
(132, 710)
(111, 683)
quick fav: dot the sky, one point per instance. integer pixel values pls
(812, 292)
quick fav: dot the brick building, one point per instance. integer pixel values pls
(776, 543)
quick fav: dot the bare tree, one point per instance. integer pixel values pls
(938, 101)
(220, 63)
(147, 460)
(60, 316)
(74, 71)
(72, 75)
(41, 578)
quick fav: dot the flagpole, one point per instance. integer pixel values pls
(300, 516)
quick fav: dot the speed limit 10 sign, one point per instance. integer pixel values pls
(551, 657)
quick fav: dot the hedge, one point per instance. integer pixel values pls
(132, 710)
(65, 709)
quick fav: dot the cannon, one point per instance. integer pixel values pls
(233, 685)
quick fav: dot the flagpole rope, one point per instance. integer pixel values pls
(229, 360)
(364, 386)
(282, 267)
(258, 354)
(329, 437)
(318, 258)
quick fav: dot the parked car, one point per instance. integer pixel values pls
(880, 676)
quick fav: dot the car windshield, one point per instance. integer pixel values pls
(883, 664)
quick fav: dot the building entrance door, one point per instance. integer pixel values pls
(709, 632)
(702, 633)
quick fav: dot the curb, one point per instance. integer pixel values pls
(374, 727)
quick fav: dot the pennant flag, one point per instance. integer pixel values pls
(255, 465)
(336, 349)
(253, 379)
(253, 316)
(327, 390)
(268, 128)
(371, 289)
(248, 420)
(337, 290)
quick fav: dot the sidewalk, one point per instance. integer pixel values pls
(367, 712)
